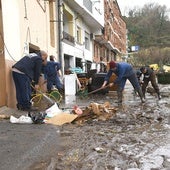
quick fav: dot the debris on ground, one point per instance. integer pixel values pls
(151, 90)
(79, 116)
(54, 115)
(4, 116)
(22, 119)
(61, 119)
(53, 110)
(4, 113)
(77, 110)
(37, 117)
(96, 111)
(99, 149)
(165, 91)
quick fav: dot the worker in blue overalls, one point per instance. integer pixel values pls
(123, 72)
(24, 72)
(51, 74)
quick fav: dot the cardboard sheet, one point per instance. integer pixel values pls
(61, 119)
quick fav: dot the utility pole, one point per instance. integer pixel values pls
(60, 32)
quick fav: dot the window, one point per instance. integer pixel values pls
(87, 41)
(78, 34)
(52, 23)
(111, 17)
(68, 22)
(105, 53)
(110, 34)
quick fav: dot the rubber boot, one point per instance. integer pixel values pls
(141, 95)
(159, 96)
(119, 95)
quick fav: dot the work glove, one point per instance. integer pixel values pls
(104, 84)
(36, 87)
(111, 84)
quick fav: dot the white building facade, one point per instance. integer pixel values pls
(81, 20)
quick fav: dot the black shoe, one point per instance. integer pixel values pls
(159, 97)
(29, 109)
(29, 114)
(19, 107)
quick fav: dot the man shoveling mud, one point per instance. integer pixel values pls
(123, 72)
(149, 76)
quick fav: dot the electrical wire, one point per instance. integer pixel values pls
(6, 48)
(27, 36)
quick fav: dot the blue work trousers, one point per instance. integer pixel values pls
(133, 80)
(53, 81)
(23, 90)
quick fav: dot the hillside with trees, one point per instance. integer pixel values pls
(149, 28)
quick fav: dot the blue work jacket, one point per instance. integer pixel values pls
(31, 65)
(50, 70)
(123, 70)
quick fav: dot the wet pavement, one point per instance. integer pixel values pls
(137, 137)
(23, 145)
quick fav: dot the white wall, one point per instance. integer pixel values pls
(11, 27)
(78, 50)
(26, 24)
(98, 11)
(97, 8)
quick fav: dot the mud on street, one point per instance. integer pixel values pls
(136, 137)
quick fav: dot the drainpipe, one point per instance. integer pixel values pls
(60, 32)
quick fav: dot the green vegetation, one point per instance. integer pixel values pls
(149, 27)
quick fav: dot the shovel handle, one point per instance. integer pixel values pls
(101, 88)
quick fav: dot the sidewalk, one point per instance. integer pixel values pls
(8, 111)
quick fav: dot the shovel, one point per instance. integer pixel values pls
(101, 88)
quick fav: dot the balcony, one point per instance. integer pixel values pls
(102, 40)
(88, 5)
(68, 37)
(84, 9)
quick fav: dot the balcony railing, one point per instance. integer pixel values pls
(88, 4)
(68, 37)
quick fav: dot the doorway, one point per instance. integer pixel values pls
(68, 62)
